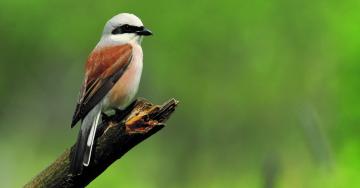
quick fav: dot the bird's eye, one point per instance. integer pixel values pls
(124, 29)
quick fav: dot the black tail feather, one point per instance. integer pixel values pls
(76, 163)
(81, 154)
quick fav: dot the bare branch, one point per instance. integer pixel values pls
(117, 135)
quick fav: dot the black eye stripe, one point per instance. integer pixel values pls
(116, 31)
(127, 29)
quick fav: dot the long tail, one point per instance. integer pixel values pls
(85, 141)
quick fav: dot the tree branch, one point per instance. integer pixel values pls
(116, 136)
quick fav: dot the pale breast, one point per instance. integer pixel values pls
(123, 92)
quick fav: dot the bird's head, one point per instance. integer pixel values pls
(124, 28)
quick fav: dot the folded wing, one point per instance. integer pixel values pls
(103, 69)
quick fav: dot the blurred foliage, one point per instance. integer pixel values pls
(269, 90)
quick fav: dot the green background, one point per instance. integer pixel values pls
(269, 90)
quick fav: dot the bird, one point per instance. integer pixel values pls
(112, 76)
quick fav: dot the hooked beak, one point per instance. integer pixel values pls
(144, 32)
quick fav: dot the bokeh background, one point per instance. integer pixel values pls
(269, 90)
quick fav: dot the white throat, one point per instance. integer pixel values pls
(113, 40)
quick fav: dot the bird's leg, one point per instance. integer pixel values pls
(105, 117)
(118, 116)
(121, 114)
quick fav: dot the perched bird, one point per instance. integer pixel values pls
(112, 76)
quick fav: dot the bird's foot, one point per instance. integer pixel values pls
(121, 114)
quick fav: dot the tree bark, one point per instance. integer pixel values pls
(116, 135)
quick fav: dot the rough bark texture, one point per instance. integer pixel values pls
(116, 135)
